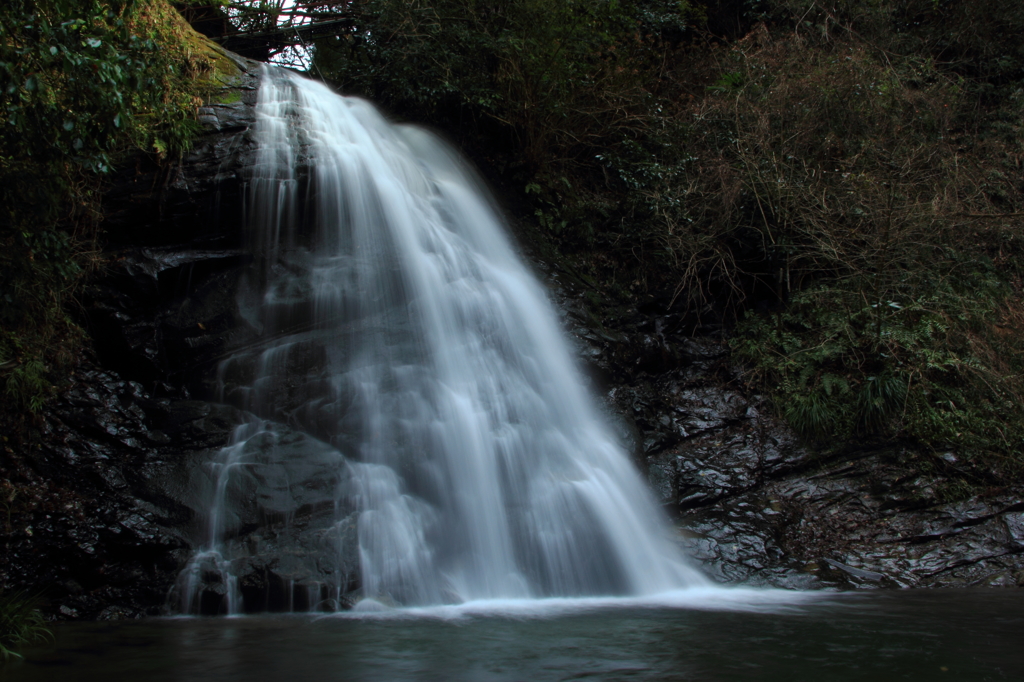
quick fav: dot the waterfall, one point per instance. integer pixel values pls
(413, 396)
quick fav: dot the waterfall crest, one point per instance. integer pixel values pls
(453, 442)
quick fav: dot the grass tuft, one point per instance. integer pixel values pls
(21, 623)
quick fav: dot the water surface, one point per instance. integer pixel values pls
(954, 635)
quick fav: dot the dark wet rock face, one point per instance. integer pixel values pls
(166, 316)
(866, 522)
(168, 305)
(197, 200)
(289, 542)
(90, 529)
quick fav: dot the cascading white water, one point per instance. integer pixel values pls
(403, 330)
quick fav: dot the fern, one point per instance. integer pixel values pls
(834, 385)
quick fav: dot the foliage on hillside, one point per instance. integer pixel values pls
(81, 83)
(839, 179)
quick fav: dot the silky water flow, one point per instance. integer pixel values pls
(418, 433)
